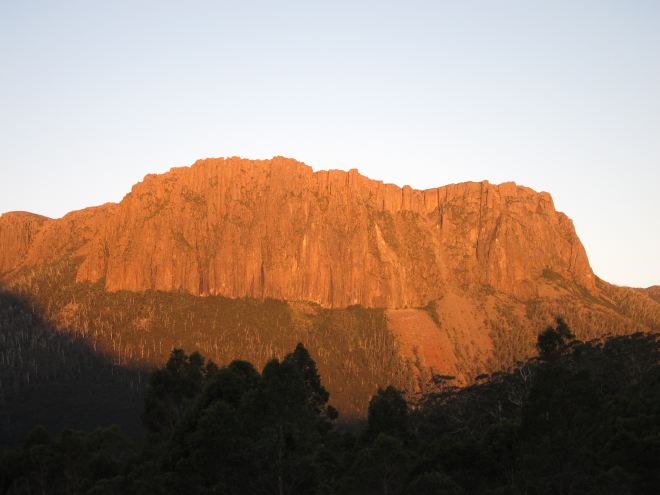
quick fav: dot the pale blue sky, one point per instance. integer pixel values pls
(562, 96)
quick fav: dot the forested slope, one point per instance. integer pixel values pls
(582, 418)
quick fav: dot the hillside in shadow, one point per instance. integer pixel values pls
(57, 379)
(581, 418)
(355, 351)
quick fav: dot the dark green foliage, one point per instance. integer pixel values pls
(585, 418)
(582, 419)
(73, 462)
(302, 361)
(433, 483)
(553, 341)
(388, 414)
(173, 388)
(241, 431)
(381, 466)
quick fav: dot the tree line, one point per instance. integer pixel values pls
(581, 418)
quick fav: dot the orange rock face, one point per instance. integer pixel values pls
(274, 228)
(653, 292)
(18, 230)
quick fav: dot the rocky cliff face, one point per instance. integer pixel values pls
(274, 228)
(653, 292)
(18, 230)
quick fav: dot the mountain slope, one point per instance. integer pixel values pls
(242, 259)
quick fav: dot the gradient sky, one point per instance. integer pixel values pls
(561, 96)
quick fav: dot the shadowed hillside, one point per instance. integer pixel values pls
(353, 347)
(54, 378)
(581, 418)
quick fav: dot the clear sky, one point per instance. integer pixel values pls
(562, 96)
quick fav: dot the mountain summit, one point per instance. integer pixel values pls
(274, 228)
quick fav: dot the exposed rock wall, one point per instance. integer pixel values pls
(18, 230)
(274, 228)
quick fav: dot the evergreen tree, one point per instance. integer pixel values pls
(388, 413)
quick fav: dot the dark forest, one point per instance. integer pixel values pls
(582, 417)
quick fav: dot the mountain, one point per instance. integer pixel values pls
(276, 229)
(240, 258)
(653, 292)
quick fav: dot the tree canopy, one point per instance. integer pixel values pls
(582, 418)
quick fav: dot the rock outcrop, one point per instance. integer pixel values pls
(274, 228)
(653, 292)
(18, 230)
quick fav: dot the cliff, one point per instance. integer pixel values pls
(18, 230)
(274, 228)
(653, 292)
